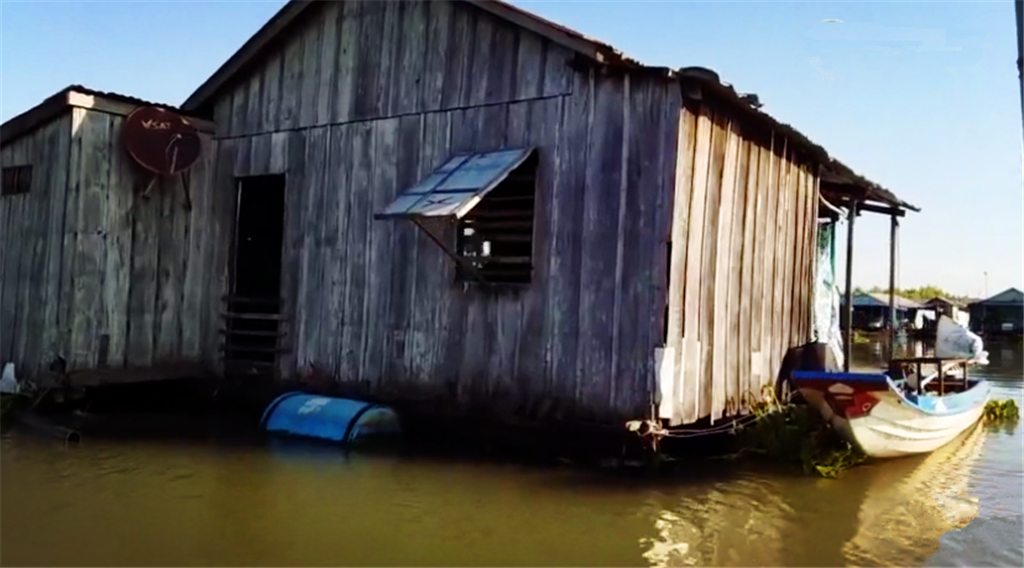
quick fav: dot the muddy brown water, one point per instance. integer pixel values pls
(121, 502)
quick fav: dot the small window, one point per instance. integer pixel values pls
(16, 180)
(495, 239)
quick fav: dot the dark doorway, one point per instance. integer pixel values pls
(253, 319)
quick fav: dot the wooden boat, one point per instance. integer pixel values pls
(901, 412)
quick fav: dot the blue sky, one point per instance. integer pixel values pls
(920, 97)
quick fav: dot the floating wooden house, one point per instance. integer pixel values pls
(95, 277)
(1002, 314)
(460, 202)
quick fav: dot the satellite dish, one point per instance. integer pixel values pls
(161, 141)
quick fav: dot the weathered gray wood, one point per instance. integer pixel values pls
(407, 90)
(270, 106)
(692, 377)
(761, 256)
(400, 367)
(91, 176)
(309, 87)
(434, 278)
(718, 348)
(529, 76)
(338, 212)
(118, 223)
(345, 78)
(36, 219)
(327, 63)
(368, 65)
(501, 64)
(307, 309)
(733, 265)
(14, 249)
(200, 238)
(291, 82)
(436, 78)
(360, 166)
(542, 128)
(709, 292)
(293, 244)
(599, 227)
(747, 391)
(25, 279)
(773, 265)
(254, 102)
(380, 245)
(239, 107)
(50, 337)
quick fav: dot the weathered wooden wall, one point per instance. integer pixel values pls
(365, 99)
(92, 271)
(743, 239)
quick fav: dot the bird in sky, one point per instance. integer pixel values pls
(831, 21)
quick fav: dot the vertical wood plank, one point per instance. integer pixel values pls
(433, 290)
(757, 306)
(308, 313)
(292, 72)
(93, 172)
(734, 267)
(769, 330)
(398, 363)
(346, 80)
(339, 184)
(239, 93)
(410, 72)
(327, 64)
(360, 166)
(459, 61)
(691, 379)
(118, 222)
(270, 106)
(52, 300)
(200, 241)
(295, 223)
(254, 103)
(66, 313)
(747, 392)
(16, 275)
(502, 64)
(708, 289)
(599, 229)
(368, 65)
(380, 246)
(309, 88)
(670, 387)
(435, 74)
(480, 60)
(529, 73)
(542, 127)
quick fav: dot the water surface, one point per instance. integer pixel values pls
(166, 503)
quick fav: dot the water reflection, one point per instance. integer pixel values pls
(143, 502)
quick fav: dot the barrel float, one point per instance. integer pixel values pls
(327, 418)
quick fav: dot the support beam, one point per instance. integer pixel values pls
(893, 228)
(848, 340)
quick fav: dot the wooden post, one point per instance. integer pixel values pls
(893, 227)
(848, 340)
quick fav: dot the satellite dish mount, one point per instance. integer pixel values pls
(164, 144)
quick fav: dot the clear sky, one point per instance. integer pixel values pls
(921, 97)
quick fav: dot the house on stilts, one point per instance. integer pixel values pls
(456, 205)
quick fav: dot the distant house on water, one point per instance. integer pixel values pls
(1000, 314)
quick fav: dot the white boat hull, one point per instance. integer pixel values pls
(893, 426)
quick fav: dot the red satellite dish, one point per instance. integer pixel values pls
(161, 141)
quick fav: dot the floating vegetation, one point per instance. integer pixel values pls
(1001, 411)
(797, 435)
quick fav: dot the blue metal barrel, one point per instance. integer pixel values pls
(328, 418)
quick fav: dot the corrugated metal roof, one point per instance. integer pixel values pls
(453, 189)
(881, 299)
(53, 105)
(1008, 297)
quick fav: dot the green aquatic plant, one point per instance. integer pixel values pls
(1001, 411)
(796, 434)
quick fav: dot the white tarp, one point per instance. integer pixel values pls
(9, 384)
(954, 341)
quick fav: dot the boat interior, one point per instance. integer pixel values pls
(931, 375)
